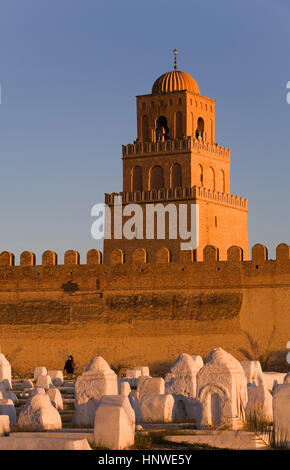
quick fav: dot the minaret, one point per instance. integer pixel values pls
(175, 160)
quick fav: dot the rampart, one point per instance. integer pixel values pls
(144, 313)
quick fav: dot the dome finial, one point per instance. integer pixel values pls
(175, 52)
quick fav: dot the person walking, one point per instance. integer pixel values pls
(69, 365)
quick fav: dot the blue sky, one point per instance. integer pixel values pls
(69, 74)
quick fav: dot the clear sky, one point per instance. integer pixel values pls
(69, 74)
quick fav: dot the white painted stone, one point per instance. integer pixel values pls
(124, 388)
(38, 414)
(56, 377)
(281, 414)
(260, 403)
(43, 441)
(4, 425)
(144, 370)
(97, 380)
(5, 372)
(287, 378)
(271, 377)
(55, 398)
(114, 423)
(134, 402)
(133, 373)
(221, 390)
(253, 372)
(150, 385)
(44, 381)
(181, 380)
(157, 408)
(39, 371)
(7, 408)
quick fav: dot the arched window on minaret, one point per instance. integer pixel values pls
(200, 128)
(162, 130)
(176, 176)
(200, 175)
(156, 177)
(137, 179)
(178, 125)
(145, 129)
(211, 179)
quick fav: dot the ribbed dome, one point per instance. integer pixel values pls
(176, 80)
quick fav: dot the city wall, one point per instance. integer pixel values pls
(144, 313)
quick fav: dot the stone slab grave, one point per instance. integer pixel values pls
(221, 391)
(157, 408)
(43, 441)
(253, 372)
(273, 377)
(56, 377)
(281, 415)
(38, 414)
(237, 440)
(260, 403)
(114, 423)
(44, 381)
(4, 425)
(40, 370)
(181, 379)
(149, 386)
(97, 380)
(5, 372)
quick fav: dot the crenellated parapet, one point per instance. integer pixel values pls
(140, 256)
(186, 144)
(174, 194)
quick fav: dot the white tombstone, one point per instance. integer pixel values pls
(134, 402)
(260, 403)
(281, 415)
(7, 408)
(44, 381)
(157, 408)
(221, 390)
(253, 372)
(133, 373)
(56, 377)
(97, 380)
(4, 425)
(38, 414)
(150, 385)
(39, 371)
(144, 370)
(181, 380)
(55, 398)
(272, 378)
(124, 388)
(5, 372)
(114, 426)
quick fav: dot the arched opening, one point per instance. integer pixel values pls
(176, 176)
(157, 177)
(137, 179)
(211, 179)
(200, 128)
(200, 169)
(216, 410)
(178, 125)
(162, 130)
(145, 129)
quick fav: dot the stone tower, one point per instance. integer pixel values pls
(176, 160)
